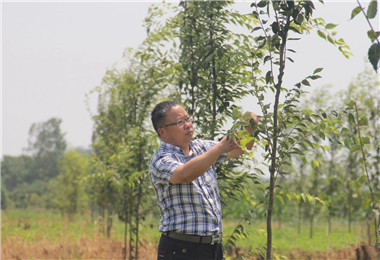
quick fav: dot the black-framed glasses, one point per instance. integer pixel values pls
(179, 123)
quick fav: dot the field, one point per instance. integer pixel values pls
(46, 235)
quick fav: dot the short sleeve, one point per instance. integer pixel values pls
(162, 168)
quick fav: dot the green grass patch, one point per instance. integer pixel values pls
(36, 224)
(33, 225)
(286, 238)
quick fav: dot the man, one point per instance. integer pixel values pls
(183, 175)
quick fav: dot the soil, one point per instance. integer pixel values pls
(100, 248)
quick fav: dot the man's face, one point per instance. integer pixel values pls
(178, 128)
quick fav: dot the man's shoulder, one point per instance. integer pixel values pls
(165, 149)
(204, 143)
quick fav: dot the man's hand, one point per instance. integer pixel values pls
(229, 144)
(238, 151)
(247, 117)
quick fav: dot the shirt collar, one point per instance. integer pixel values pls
(177, 149)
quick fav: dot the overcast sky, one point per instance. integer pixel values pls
(54, 53)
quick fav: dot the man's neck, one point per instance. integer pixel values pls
(186, 149)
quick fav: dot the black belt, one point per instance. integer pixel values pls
(193, 238)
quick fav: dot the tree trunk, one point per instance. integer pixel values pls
(214, 92)
(273, 158)
(369, 233)
(125, 236)
(137, 218)
(109, 222)
(101, 220)
(311, 226)
(349, 215)
(299, 218)
(269, 216)
(329, 225)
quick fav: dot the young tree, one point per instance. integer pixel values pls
(362, 101)
(68, 188)
(286, 130)
(123, 140)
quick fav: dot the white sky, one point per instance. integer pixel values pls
(54, 53)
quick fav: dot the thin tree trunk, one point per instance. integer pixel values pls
(101, 220)
(92, 211)
(214, 91)
(272, 169)
(329, 225)
(349, 215)
(109, 222)
(299, 218)
(270, 209)
(131, 247)
(137, 218)
(125, 236)
(369, 233)
(311, 226)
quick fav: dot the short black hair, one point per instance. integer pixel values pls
(158, 114)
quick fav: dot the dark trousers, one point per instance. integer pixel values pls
(174, 249)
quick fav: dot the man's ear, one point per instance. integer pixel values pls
(161, 132)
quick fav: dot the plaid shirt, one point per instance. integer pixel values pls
(192, 208)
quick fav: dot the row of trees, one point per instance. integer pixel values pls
(311, 158)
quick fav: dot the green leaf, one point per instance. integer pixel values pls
(354, 148)
(321, 34)
(330, 26)
(372, 9)
(363, 121)
(303, 197)
(279, 197)
(355, 12)
(317, 70)
(374, 55)
(362, 179)
(351, 104)
(252, 123)
(262, 3)
(299, 18)
(373, 35)
(305, 82)
(340, 41)
(366, 140)
(315, 164)
(351, 118)
(330, 39)
(344, 130)
(294, 29)
(266, 59)
(268, 77)
(209, 58)
(346, 142)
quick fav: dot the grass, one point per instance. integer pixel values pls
(287, 237)
(34, 225)
(29, 230)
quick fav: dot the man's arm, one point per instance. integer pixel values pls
(197, 166)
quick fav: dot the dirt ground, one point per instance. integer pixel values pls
(113, 249)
